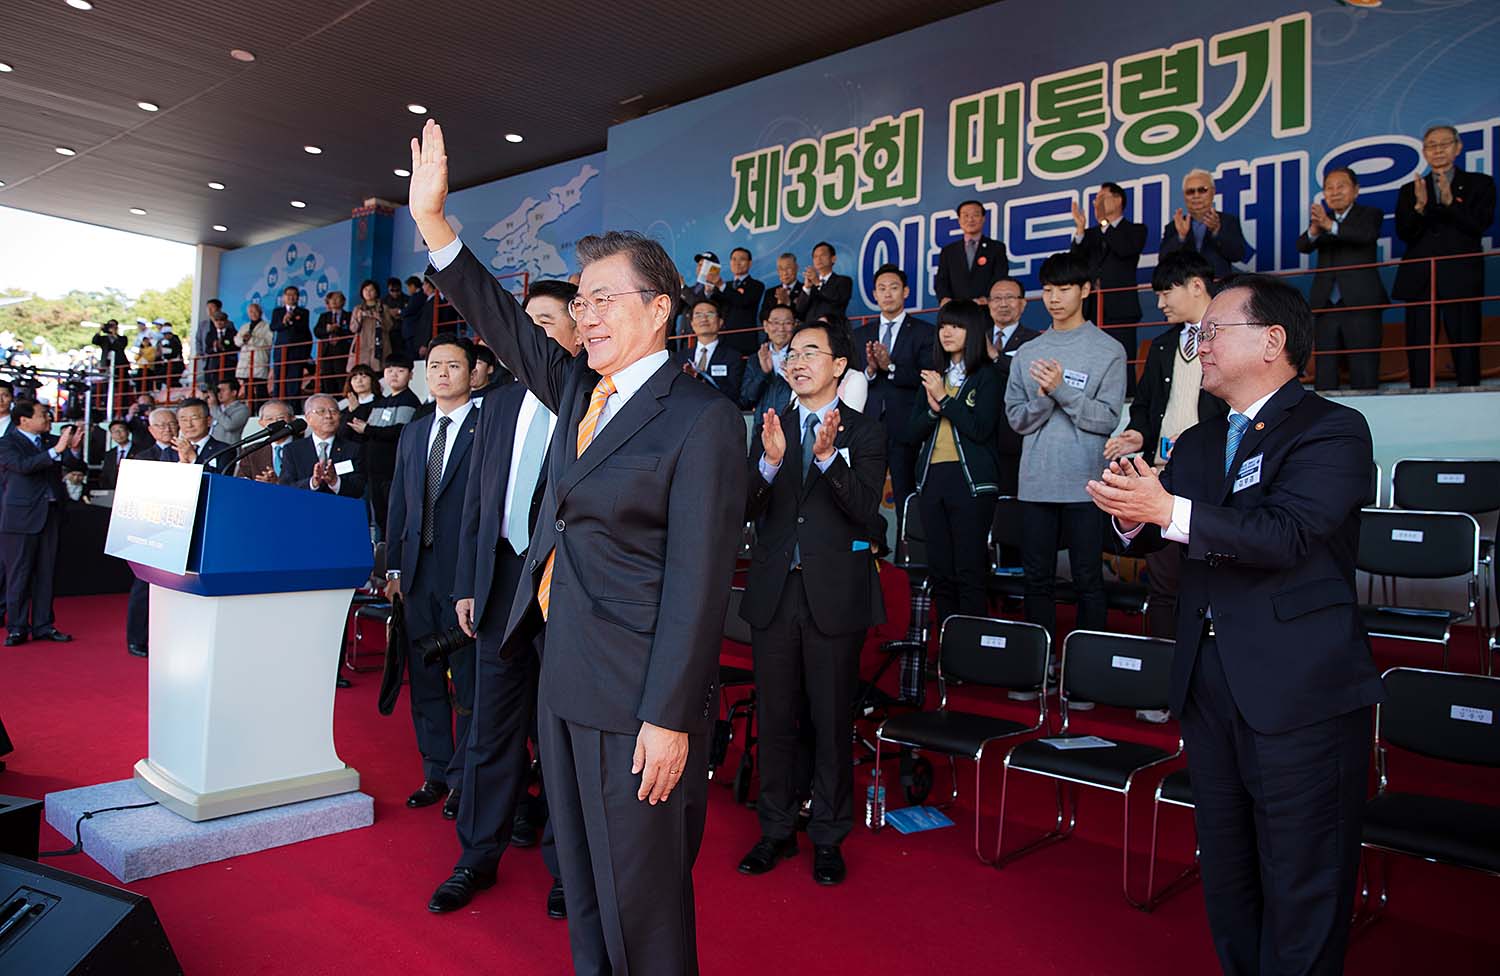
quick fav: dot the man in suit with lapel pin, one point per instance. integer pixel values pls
(31, 497)
(785, 290)
(970, 265)
(1272, 679)
(194, 443)
(893, 350)
(710, 358)
(817, 480)
(323, 461)
(646, 470)
(424, 526)
(293, 349)
(506, 476)
(741, 298)
(265, 462)
(823, 289)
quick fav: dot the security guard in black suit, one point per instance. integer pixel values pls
(816, 480)
(1342, 233)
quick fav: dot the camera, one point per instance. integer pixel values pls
(438, 647)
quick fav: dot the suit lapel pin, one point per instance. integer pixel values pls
(1261, 425)
(982, 260)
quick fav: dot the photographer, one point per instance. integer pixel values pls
(424, 522)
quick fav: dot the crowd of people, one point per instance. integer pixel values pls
(944, 417)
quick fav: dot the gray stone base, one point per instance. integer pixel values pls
(135, 844)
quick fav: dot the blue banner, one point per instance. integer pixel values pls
(1028, 108)
(315, 261)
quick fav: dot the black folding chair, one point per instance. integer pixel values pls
(1469, 485)
(1118, 670)
(1417, 545)
(1444, 716)
(982, 651)
(736, 631)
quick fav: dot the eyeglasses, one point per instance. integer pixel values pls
(324, 411)
(1009, 298)
(1208, 330)
(1439, 145)
(600, 306)
(807, 354)
(1194, 191)
(705, 316)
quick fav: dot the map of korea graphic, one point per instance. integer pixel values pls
(517, 237)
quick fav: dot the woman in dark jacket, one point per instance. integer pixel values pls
(957, 470)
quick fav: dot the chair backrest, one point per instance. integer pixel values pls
(1121, 670)
(735, 627)
(1441, 715)
(1447, 484)
(911, 546)
(996, 653)
(1417, 545)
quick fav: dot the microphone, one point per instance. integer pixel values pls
(270, 432)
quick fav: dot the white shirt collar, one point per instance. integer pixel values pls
(896, 322)
(699, 347)
(198, 444)
(1006, 332)
(320, 441)
(1196, 327)
(803, 412)
(634, 376)
(457, 414)
(1254, 408)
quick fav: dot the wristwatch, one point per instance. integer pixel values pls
(393, 574)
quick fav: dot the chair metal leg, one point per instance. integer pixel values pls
(1154, 897)
(1059, 831)
(1374, 891)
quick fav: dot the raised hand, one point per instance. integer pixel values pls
(186, 452)
(1123, 443)
(1182, 223)
(763, 357)
(1047, 373)
(429, 186)
(827, 431)
(772, 438)
(932, 382)
(1419, 188)
(1210, 220)
(1080, 222)
(267, 476)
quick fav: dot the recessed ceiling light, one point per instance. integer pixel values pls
(401, 172)
(64, 151)
(416, 109)
(80, 4)
(215, 185)
(5, 67)
(298, 204)
(148, 106)
(240, 54)
(138, 211)
(513, 137)
(2, 182)
(220, 228)
(312, 150)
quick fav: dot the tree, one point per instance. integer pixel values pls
(61, 321)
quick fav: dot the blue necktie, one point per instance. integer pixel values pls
(528, 468)
(1238, 423)
(276, 459)
(807, 456)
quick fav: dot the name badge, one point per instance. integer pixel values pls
(1075, 379)
(1249, 473)
(718, 369)
(343, 467)
(1165, 452)
(386, 413)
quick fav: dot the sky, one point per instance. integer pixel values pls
(50, 256)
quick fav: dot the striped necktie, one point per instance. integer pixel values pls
(1238, 423)
(586, 427)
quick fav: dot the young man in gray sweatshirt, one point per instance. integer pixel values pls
(1064, 396)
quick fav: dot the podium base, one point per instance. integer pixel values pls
(197, 807)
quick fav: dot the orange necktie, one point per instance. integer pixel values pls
(586, 427)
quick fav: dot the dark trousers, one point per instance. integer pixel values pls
(1278, 819)
(429, 609)
(1461, 324)
(1334, 330)
(138, 613)
(1163, 577)
(957, 524)
(1124, 334)
(796, 664)
(30, 564)
(627, 866)
(378, 490)
(901, 461)
(1083, 527)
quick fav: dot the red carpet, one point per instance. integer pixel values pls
(355, 903)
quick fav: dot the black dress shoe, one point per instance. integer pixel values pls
(766, 852)
(137, 650)
(56, 636)
(450, 805)
(429, 793)
(522, 832)
(828, 865)
(459, 889)
(342, 682)
(13, 638)
(557, 904)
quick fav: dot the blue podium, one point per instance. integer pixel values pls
(250, 588)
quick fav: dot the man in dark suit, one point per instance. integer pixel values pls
(893, 350)
(162, 426)
(710, 359)
(504, 493)
(422, 549)
(193, 443)
(823, 289)
(293, 348)
(334, 339)
(265, 462)
(811, 595)
(1007, 300)
(31, 497)
(1343, 232)
(1113, 247)
(785, 289)
(1444, 212)
(1272, 678)
(764, 386)
(646, 470)
(323, 461)
(970, 265)
(119, 450)
(1212, 233)
(416, 318)
(740, 296)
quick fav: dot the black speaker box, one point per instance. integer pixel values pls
(20, 826)
(53, 923)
